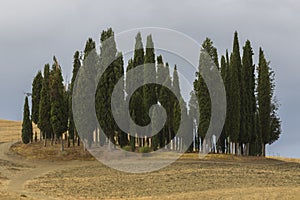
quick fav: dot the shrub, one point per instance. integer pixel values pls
(145, 150)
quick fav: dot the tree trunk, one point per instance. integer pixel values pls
(52, 139)
(45, 139)
(204, 146)
(78, 141)
(237, 146)
(68, 139)
(62, 144)
(241, 149)
(263, 151)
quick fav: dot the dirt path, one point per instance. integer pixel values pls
(17, 171)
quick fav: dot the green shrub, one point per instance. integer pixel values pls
(145, 150)
(127, 148)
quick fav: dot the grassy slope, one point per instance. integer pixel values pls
(11, 130)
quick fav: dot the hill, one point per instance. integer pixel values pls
(11, 130)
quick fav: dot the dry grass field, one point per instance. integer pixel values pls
(35, 172)
(11, 130)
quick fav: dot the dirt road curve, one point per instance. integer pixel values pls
(15, 172)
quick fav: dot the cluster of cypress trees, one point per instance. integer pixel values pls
(49, 103)
(251, 122)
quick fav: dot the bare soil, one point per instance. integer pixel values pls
(216, 177)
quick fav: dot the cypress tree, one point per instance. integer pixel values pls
(275, 127)
(89, 68)
(264, 99)
(76, 66)
(249, 101)
(149, 91)
(44, 123)
(108, 53)
(58, 99)
(166, 98)
(131, 111)
(201, 89)
(160, 78)
(176, 103)
(119, 76)
(136, 105)
(26, 124)
(224, 75)
(234, 102)
(227, 82)
(36, 96)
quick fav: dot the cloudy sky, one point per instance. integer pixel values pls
(32, 31)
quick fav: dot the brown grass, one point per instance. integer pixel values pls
(37, 151)
(184, 179)
(11, 130)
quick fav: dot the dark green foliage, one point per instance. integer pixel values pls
(76, 66)
(176, 118)
(44, 123)
(128, 87)
(224, 74)
(167, 100)
(201, 89)
(137, 109)
(250, 121)
(275, 123)
(113, 63)
(36, 96)
(149, 92)
(58, 99)
(234, 99)
(275, 119)
(27, 124)
(249, 100)
(264, 97)
(87, 83)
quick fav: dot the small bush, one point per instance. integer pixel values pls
(145, 150)
(127, 148)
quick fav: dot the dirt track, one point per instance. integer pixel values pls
(16, 171)
(184, 179)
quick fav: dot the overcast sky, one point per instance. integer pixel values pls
(32, 31)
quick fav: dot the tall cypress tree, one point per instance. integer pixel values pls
(44, 123)
(58, 99)
(26, 124)
(108, 53)
(264, 99)
(176, 103)
(119, 76)
(37, 85)
(234, 102)
(249, 101)
(160, 78)
(138, 96)
(166, 98)
(201, 89)
(224, 74)
(89, 66)
(76, 66)
(131, 111)
(149, 91)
